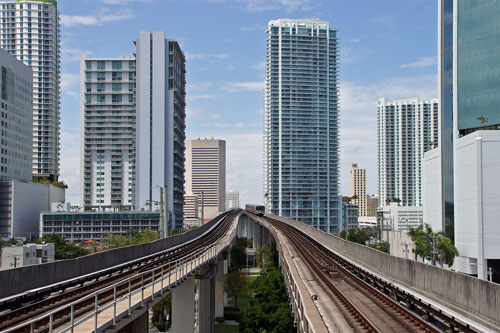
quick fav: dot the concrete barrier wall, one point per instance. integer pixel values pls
(18, 280)
(465, 292)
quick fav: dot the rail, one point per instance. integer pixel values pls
(170, 274)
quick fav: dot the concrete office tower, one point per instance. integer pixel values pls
(191, 209)
(406, 129)
(160, 122)
(301, 124)
(358, 188)
(372, 204)
(206, 172)
(107, 145)
(30, 32)
(461, 177)
(16, 112)
(232, 200)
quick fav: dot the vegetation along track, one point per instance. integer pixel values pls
(39, 305)
(367, 303)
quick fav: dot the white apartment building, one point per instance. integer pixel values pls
(406, 129)
(30, 31)
(160, 122)
(206, 174)
(400, 218)
(107, 145)
(358, 188)
(232, 200)
(16, 116)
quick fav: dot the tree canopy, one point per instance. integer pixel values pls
(64, 249)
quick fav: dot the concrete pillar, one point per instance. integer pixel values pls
(258, 236)
(226, 266)
(219, 289)
(183, 307)
(207, 305)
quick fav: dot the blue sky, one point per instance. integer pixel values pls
(388, 48)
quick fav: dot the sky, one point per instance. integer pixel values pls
(388, 48)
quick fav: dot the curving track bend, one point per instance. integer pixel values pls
(365, 307)
(37, 307)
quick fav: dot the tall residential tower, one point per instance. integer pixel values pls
(406, 129)
(160, 122)
(30, 31)
(301, 134)
(107, 126)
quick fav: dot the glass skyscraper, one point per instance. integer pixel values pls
(301, 133)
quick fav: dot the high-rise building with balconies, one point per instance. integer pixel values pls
(107, 132)
(301, 123)
(160, 134)
(30, 31)
(406, 128)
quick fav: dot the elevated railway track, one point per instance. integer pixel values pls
(368, 303)
(48, 309)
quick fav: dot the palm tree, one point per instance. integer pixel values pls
(447, 250)
(483, 120)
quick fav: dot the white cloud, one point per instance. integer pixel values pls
(358, 128)
(421, 63)
(201, 86)
(73, 54)
(355, 40)
(207, 56)
(254, 27)
(103, 16)
(192, 112)
(70, 162)
(243, 86)
(70, 84)
(259, 66)
(256, 6)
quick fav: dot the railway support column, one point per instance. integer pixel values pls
(183, 306)
(207, 299)
(219, 289)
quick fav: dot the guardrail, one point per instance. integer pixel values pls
(165, 277)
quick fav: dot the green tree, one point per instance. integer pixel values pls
(343, 234)
(238, 252)
(447, 251)
(158, 318)
(382, 246)
(236, 284)
(63, 249)
(263, 256)
(269, 309)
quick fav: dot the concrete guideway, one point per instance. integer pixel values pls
(442, 289)
(131, 306)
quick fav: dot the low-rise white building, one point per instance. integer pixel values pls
(400, 218)
(21, 204)
(367, 221)
(29, 254)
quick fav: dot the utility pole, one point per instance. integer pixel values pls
(166, 216)
(490, 274)
(202, 209)
(162, 229)
(14, 264)
(406, 249)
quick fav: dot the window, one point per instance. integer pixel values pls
(101, 65)
(116, 65)
(116, 76)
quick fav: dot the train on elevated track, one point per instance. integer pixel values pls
(256, 209)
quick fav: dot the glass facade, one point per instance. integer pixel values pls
(446, 104)
(478, 65)
(301, 155)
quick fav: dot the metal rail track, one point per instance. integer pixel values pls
(324, 265)
(38, 308)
